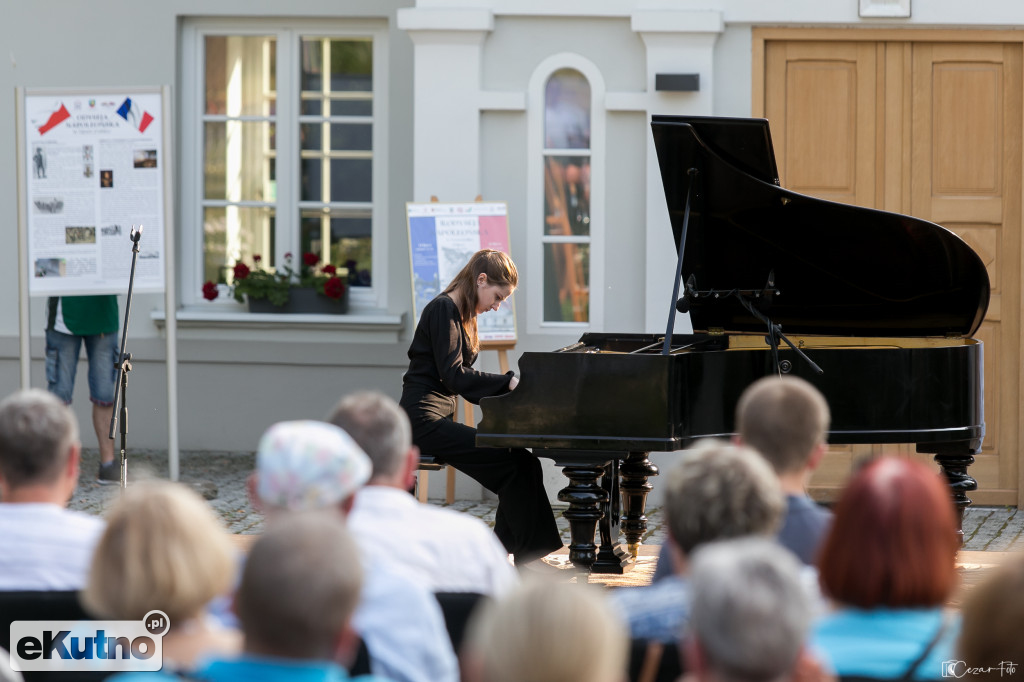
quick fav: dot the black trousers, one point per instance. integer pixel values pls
(524, 521)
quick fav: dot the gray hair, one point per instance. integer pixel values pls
(37, 431)
(379, 426)
(750, 613)
(721, 491)
(300, 587)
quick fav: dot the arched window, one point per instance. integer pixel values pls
(567, 183)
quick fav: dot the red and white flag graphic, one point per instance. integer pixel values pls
(55, 119)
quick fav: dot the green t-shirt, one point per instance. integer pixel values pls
(88, 315)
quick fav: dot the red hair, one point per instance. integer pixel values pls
(893, 540)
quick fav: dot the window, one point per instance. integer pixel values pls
(285, 128)
(567, 218)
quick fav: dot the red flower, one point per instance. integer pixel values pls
(334, 288)
(288, 256)
(241, 270)
(210, 291)
(257, 258)
(329, 269)
(310, 259)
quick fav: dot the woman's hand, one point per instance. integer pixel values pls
(513, 383)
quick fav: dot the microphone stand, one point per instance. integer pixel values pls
(124, 365)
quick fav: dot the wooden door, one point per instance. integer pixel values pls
(927, 128)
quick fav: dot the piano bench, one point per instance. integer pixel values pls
(426, 465)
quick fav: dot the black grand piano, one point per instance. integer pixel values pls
(876, 309)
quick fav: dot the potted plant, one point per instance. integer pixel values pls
(314, 288)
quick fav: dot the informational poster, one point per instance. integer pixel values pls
(94, 165)
(442, 238)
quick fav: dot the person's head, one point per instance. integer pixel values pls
(163, 548)
(39, 446)
(299, 588)
(483, 283)
(750, 613)
(993, 618)
(717, 491)
(545, 631)
(786, 419)
(307, 466)
(381, 428)
(893, 540)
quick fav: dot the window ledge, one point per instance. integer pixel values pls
(362, 326)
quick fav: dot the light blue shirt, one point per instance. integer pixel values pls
(656, 612)
(258, 669)
(885, 642)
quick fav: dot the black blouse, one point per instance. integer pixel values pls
(440, 364)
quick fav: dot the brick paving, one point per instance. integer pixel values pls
(221, 476)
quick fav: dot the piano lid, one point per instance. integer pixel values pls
(838, 269)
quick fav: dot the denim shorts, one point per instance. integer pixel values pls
(62, 351)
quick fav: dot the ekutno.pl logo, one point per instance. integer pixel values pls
(80, 646)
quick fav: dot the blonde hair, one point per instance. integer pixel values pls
(545, 631)
(164, 549)
(499, 269)
(784, 419)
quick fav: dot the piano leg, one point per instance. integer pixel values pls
(586, 507)
(954, 466)
(612, 558)
(635, 472)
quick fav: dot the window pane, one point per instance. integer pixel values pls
(232, 234)
(238, 159)
(239, 75)
(566, 274)
(336, 65)
(350, 180)
(567, 195)
(352, 107)
(567, 111)
(341, 137)
(349, 240)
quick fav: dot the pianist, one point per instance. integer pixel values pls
(441, 356)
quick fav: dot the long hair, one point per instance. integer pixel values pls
(893, 541)
(499, 269)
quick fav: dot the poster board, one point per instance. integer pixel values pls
(442, 237)
(94, 165)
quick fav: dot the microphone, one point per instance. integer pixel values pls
(683, 304)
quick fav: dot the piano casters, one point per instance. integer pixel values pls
(595, 509)
(634, 473)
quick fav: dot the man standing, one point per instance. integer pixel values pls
(43, 545)
(92, 320)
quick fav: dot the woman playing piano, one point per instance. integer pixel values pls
(441, 356)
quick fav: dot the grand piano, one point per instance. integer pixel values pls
(876, 309)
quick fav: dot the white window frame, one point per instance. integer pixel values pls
(287, 204)
(535, 238)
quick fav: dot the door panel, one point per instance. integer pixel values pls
(931, 129)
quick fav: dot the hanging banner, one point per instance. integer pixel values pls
(94, 165)
(442, 238)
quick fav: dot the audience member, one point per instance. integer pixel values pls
(309, 466)
(299, 588)
(993, 619)
(889, 565)
(544, 631)
(716, 491)
(165, 549)
(43, 545)
(750, 614)
(786, 420)
(443, 549)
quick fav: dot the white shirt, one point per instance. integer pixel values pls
(45, 546)
(442, 549)
(403, 628)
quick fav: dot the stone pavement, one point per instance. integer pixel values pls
(221, 477)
